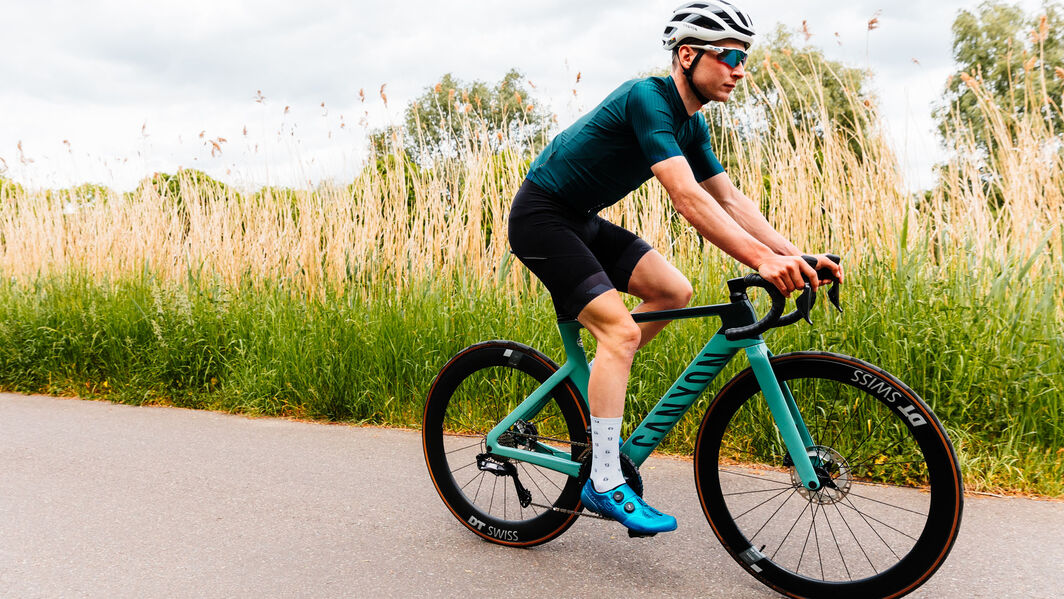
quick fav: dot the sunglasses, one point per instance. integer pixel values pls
(729, 56)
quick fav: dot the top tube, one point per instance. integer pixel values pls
(730, 314)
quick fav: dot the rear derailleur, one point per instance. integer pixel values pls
(504, 467)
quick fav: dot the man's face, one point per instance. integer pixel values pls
(715, 79)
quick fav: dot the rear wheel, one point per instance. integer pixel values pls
(890, 502)
(502, 500)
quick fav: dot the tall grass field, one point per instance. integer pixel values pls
(342, 302)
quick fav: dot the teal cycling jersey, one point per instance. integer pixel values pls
(608, 152)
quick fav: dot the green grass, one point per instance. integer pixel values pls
(984, 351)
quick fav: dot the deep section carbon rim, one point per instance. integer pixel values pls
(498, 498)
(889, 508)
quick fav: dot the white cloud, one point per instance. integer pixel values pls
(95, 73)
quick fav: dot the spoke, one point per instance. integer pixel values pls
(801, 554)
(850, 505)
(816, 413)
(477, 444)
(793, 492)
(494, 484)
(837, 546)
(812, 401)
(871, 457)
(846, 425)
(533, 479)
(498, 411)
(552, 417)
(549, 479)
(852, 494)
(473, 435)
(901, 463)
(866, 517)
(482, 473)
(872, 433)
(504, 502)
(761, 504)
(760, 478)
(788, 532)
(460, 468)
(758, 491)
(479, 485)
(816, 537)
(855, 539)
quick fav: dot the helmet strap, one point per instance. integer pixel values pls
(688, 72)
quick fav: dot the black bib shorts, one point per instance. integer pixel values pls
(578, 257)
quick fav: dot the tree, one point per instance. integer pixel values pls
(1008, 57)
(800, 87)
(797, 87)
(183, 189)
(451, 116)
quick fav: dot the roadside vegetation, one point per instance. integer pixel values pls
(342, 302)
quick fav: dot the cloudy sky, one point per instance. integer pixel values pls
(112, 90)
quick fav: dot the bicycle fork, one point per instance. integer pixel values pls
(785, 412)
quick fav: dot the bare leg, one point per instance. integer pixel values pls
(661, 286)
(609, 321)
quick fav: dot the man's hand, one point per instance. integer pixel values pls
(824, 262)
(785, 272)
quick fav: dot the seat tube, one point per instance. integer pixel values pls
(783, 412)
(575, 357)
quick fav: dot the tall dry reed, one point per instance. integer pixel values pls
(400, 222)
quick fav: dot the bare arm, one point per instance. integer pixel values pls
(707, 216)
(734, 225)
(747, 214)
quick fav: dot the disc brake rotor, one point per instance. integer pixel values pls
(834, 473)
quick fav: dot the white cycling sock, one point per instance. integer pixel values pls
(605, 453)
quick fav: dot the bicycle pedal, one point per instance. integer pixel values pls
(640, 535)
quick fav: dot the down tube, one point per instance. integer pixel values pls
(681, 396)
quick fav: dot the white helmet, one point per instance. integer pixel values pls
(708, 21)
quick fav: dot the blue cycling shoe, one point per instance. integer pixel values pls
(623, 505)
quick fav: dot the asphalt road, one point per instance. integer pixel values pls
(103, 500)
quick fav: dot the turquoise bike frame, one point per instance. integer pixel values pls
(698, 375)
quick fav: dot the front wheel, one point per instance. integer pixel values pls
(503, 500)
(889, 510)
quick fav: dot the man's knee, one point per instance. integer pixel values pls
(624, 337)
(610, 322)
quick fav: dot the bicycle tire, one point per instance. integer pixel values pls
(894, 471)
(470, 395)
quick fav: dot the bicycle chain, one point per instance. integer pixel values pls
(573, 512)
(539, 437)
(551, 507)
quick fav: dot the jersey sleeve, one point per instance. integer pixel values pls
(651, 119)
(699, 152)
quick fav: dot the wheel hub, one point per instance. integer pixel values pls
(521, 434)
(834, 474)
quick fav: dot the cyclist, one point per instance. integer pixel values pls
(646, 127)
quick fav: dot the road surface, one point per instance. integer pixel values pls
(104, 500)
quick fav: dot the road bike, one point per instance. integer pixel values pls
(820, 474)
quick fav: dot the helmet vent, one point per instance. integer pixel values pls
(706, 22)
